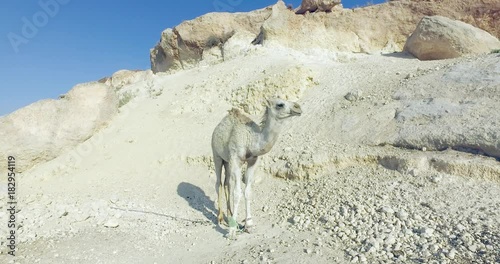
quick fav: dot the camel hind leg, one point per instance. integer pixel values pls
(227, 188)
(218, 187)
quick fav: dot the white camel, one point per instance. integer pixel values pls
(238, 139)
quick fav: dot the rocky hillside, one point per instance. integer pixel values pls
(396, 159)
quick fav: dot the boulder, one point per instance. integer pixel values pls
(438, 37)
(43, 130)
(183, 46)
(459, 110)
(317, 6)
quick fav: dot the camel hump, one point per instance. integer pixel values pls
(239, 115)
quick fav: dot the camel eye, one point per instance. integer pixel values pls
(280, 105)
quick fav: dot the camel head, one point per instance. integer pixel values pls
(281, 109)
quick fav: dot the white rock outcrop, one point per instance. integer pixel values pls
(459, 110)
(371, 29)
(183, 46)
(42, 130)
(438, 37)
(122, 78)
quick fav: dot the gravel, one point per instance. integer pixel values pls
(374, 224)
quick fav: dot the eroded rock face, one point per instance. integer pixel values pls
(438, 37)
(41, 131)
(183, 46)
(344, 30)
(455, 110)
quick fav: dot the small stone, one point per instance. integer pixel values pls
(434, 248)
(460, 227)
(351, 253)
(426, 232)
(414, 172)
(473, 221)
(402, 215)
(362, 258)
(452, 253)
(398, 253)
(386, 209)
(111, 223)
(114, 199)
(436, 178)
(473, 247)
(390, 240)
(308, 251)
(295, 219)
(353, 96)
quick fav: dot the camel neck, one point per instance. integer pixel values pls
(269, 134)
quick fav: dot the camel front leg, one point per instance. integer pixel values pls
(252, 165)
(235, 167)
(218, 187)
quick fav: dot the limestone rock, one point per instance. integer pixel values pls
(376, 28)
(125, 77)
(438, 37)
(42, 130)
(317, 6)
(464, 118)
(112, 223)
(183, 46)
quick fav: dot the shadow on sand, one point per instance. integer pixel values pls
(198, 200)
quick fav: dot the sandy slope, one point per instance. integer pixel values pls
(149, 173)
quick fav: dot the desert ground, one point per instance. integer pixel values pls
(393, 160)
(144, 189)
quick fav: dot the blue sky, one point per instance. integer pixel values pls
(48, 46)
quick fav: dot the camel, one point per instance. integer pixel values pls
(316, 5)
(238, 139)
